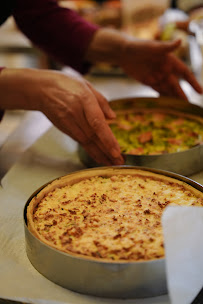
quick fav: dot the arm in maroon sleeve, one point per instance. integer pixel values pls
(60, 32)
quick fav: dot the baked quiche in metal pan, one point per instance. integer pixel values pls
(163, 133)
(98, 231)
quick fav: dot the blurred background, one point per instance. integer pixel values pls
(146, 19)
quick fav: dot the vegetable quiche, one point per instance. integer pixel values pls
(108, 214)
(156, 131)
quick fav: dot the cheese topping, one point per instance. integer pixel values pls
(111, 217)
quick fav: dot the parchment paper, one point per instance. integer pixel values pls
(183, 228)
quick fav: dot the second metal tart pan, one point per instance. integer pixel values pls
(186, 162)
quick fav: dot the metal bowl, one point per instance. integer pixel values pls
(112, 279)
(185, 162)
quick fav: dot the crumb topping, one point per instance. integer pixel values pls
(117, 217)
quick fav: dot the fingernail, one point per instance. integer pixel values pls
(112, 114)
(119, 161)
(115, 153)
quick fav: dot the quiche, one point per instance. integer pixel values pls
(156, 131)
(112, 215)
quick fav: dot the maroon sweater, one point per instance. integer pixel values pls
(58, 31)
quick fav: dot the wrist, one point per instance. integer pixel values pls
(108, 46)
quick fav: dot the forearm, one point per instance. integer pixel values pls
(15, 85)
(58, 31)
(108, 46)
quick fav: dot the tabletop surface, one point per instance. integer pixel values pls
(36, 152)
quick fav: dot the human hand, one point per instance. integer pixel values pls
(148, 61)
(69, 102)
(154, 64)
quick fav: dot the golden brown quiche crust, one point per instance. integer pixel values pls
(113, 215)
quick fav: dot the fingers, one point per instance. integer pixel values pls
(97, 122)
(184, 26)
(171, 46)
(108, 112)
(106, 138)
(170, 87)
(176, 88)
(167, 83)
(95, 153)
(80, 116)
(164, 47)
(183, 71)
(179, 69)
(96, 107)
(93, 144)
(79, 130)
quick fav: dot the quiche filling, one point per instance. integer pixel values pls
(114, 217)
(150, 132)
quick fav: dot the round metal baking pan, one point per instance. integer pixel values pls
(185, 162)
(96, 277)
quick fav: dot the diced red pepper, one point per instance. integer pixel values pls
(145, 137)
